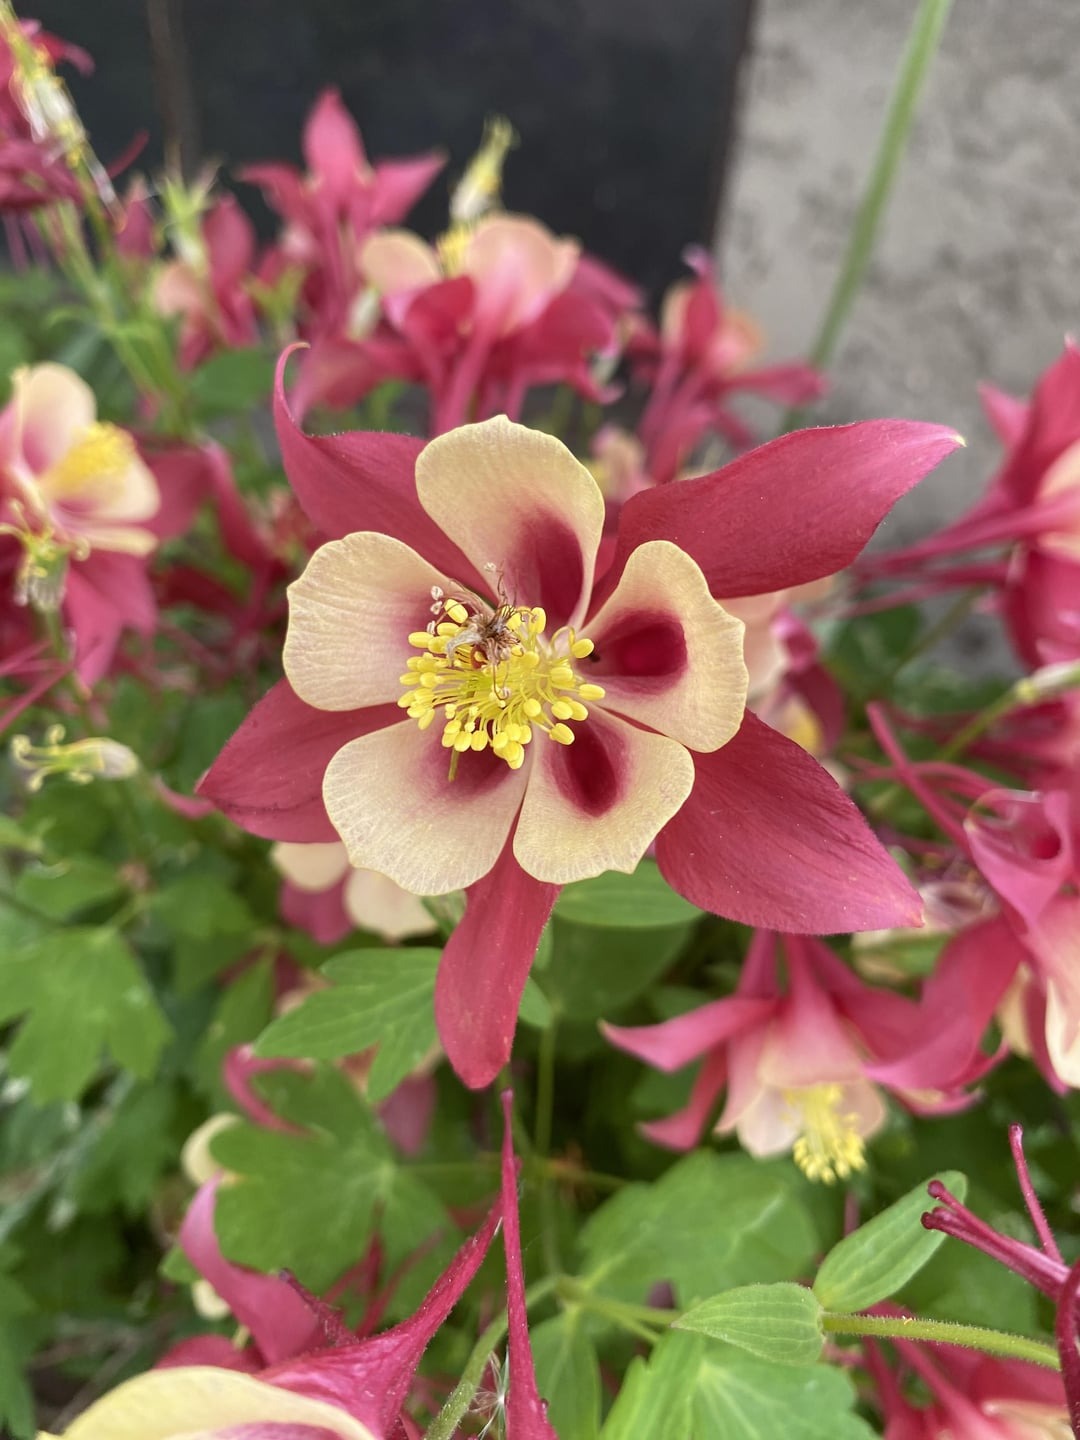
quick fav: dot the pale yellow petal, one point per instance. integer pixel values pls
(312, 867)
(667, 653)
(396, 261)
(389, 797)
(53, 408)
(375, 902)
(598, 804)
(520, 506)
(350, 616)
(518, 266)
(188, 1402)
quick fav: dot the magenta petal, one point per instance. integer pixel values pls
(269, 776)
(526, 1413)
(371, 1379)
(485, 965)
(682, 1130)
(281, 1324)
(958, 1002)
(362, 480)
(400, 183)
(106, 594)
(675, 1043)
(798, 508)
(217, 1351)
(768, 838)
(1007, 415)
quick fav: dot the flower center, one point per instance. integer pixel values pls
(830, 1146)
(98, 461)
(495, 678)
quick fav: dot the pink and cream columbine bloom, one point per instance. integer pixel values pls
(327, 896)
(540, 727)
(84, 508)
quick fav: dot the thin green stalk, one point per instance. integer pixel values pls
(925, 34)
(926, 639)
(943, 1332)
(445, 1424)
(545, 1107)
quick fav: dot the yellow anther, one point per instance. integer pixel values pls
(101, 458)
(580, 648)
(830, 1146)
(493, 678)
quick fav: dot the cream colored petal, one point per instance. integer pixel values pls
(189, 1402)
(350, 616)
(673, 310)
(196, 1161)
(310, 867)
(1062, 1036)
(54, 407)
(134, 496)
(518, 266)
(518, 503)
(1060, 479)
(390, 799)
(123, 539)
(769, 1125)
(668, 654)
(375, 902)
(396, 261)
(598, 804)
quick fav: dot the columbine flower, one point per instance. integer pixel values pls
(701, 355)
(328, 897)
(795, 1063)
(581, 721)
(206, 287)
(82, 761)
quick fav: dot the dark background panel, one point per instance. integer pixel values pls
(624, 107)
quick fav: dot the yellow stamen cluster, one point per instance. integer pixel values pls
(495, 681)
(830, 1146)
(100, 458)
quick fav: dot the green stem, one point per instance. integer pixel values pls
(545, 1106)
(926, 639)
(645, 1321)
(943, 1332)
(922, 43)
(445, 1424)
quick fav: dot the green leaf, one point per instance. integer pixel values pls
(232, 383)
(135, 1148)
(82, 992)
(710, 1223)
(378, 997)
(535, 1009)
(780, 1322)
(14, 837)
(568, 1375)
(311, 1202)
(241, 1013)
(61, 891)
(643, 900)
(653, 1402)
(747, 1399)
(873, 1262)
(594, 970)
(200, 906)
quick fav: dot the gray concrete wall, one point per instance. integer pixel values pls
(977, 271)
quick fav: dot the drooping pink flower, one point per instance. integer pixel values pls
(34, 168)
(331, 208)
(77, 496)
(801, 1065)
(702, 354)
(328, 897)
(647, 667)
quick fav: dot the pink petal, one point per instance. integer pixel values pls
(599, 803)
(683, 1129)
(1022, 847)
(768, 838)
(794, 510)
(362, 481)
(675, 1043)
(526, 1413)
(269, 777)
(400, 183)
(322, 914)
(280, 1322)
(393, 804)
(1053, 424)
(333, 149)
(370, 1380)
(667, 654)
(106, 594)
(516, 500)
(216, 1350)
(484, 968)
(1007, 415)
(958, 1002)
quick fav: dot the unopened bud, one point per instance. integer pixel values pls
(82, 761)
